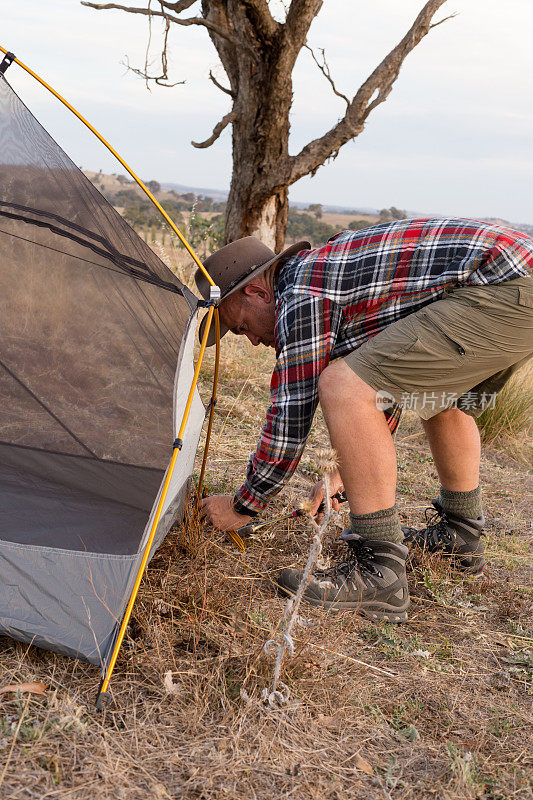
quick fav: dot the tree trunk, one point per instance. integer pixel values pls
(260, 140)
(266, 220)
(261, 86)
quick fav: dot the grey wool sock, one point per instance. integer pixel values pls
(383, 524)
(463, 504)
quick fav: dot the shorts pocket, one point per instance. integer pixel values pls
(455, 339)
(398, 353)
(525, 296)
(424, 362)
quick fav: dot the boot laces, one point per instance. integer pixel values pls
(437, 533)
(360, 557)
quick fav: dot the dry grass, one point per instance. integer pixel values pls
(439, 708)
(342, 221)
(510, 421)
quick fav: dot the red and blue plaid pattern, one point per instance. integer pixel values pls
(331, 300)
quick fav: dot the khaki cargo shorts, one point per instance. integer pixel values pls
(455, 352)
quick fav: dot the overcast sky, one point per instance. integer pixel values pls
(454, 137)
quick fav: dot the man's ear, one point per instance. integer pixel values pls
(257, 291)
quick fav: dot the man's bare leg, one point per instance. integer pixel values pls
(372, 580)
(360, 435)
(456, 448)
(455, 444)
(453, 437)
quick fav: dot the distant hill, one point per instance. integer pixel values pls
(337, 216)
(180, 188)
(518, 226)
(218, 194)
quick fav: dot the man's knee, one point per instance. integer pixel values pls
(448, 416)
(338, 380)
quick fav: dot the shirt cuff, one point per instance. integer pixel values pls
(245, 504)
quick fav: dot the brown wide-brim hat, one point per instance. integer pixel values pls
(235, 265)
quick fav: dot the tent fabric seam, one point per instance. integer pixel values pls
(122, 268)
(80, 455)
(87, 261)
(90, 234)
(4, 543)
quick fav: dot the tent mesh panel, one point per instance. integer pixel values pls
(91, 323)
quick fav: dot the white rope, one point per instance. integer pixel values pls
(282, 642)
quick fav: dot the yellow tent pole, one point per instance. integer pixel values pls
(212, 407)
(102, 692)
(145, 189)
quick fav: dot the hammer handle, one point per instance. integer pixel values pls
(340, 496)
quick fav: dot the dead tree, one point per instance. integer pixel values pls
(258, 54)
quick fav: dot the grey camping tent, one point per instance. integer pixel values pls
(96, 363)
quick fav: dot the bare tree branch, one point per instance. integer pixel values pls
(160, 80)
(300, 15)
(219, 85)
(324, 69)
(181, 5)
(217, 130)
(188, 21)
(313, 155)
(444, 19)
(262, 20)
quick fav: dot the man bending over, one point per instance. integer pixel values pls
(432, 314)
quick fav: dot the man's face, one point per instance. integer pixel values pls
(251, 313)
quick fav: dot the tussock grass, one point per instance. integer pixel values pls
(510, 422)
(438, 708)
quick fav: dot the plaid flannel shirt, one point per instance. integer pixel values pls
(331, 300)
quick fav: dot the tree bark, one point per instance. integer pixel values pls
(258, 54)
(262, 92)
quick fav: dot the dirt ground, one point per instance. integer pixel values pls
(437, 708)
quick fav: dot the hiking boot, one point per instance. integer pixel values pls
(371, 579)
(458, 538)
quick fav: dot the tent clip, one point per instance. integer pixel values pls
(6, 62)
(177, 444)
(214, 298)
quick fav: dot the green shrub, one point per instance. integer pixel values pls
(359, 224)
(306, 226)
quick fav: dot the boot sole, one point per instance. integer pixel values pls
(382, 611)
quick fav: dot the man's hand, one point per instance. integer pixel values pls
(218, 510)
(316, 495)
